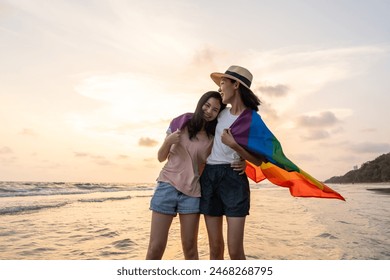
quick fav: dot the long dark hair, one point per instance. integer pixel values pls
(197, 121)
(249, 99)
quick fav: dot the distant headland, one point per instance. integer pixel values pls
(375, 171)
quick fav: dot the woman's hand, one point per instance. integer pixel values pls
(239, 165)
(173, 138)
(228, 139)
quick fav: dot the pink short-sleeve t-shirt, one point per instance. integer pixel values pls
(185, 163)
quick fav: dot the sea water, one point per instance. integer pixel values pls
(61, 220)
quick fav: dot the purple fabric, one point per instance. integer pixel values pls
(241, 127)
(180, 121)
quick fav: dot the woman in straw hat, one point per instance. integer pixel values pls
(225, 192)
(186, 146)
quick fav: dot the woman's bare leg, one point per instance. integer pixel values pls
(215, 234)
(189, 227)
(235, 237)
(158, 235)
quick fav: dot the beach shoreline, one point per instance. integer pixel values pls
(115, 224)
(380, 190)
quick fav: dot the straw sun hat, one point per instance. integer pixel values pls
(237, 73)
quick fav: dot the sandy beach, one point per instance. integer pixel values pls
(115, 226)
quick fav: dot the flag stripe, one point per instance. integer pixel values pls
(297, 183)
(251, 132)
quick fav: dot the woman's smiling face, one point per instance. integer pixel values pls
(211, 109)
(226, 88)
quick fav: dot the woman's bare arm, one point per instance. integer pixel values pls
(228, 139)
(171, 139)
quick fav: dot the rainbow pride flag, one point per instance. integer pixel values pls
(250, 132)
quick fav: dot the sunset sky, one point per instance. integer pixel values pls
(87, 88)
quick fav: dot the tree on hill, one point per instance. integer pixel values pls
(375, 171)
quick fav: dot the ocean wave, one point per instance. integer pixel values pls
(104, 199)
(25, 189)
(24, 209)
(327, 235)
(12, 210)
(91, 186)
(47, 193)
(123, 244)
(8, 190)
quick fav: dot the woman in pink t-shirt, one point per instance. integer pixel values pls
(186, 147)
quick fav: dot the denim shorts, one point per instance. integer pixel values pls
(168, 200)
(224, 192)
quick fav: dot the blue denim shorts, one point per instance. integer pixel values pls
(168, 200)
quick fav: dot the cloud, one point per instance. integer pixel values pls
(147, 142)
(77, 154)
(150, 162)
(316, 135)
(323, 124)
(124, 97)
(110, 25)
(278, 90)
(28, 132)
(5, 150)
(103, 161)
(369, 130)
(305, 157)
(204, 55)
(122, 157)
(296, 73)
(323, 119)
(3, 9)
(268, 112)
(6, 156)
(97, 159)
(8, 160)
(370, 147)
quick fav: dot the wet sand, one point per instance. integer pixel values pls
(279, 227)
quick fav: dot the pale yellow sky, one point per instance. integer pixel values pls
(88, 88)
